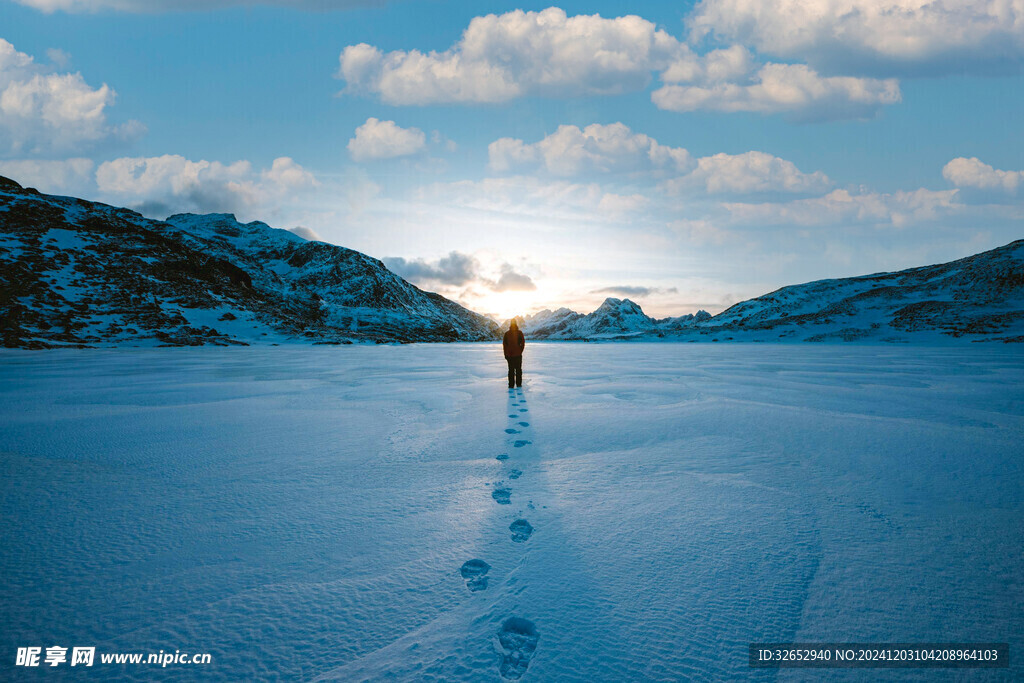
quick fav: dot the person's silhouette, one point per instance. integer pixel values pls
(513, 344)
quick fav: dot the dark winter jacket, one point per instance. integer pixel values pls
(513, 343)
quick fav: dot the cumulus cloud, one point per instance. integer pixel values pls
(792, 89)
(614, 148)
(732, 80)
(883, 36)
(285, 174)
(596, 148)
(43, 113)
(511, 281)
(305, 233)
(458, 270)
(975, 174)
(747, 173)
(501, 57)
(378, 139)
(172, 183)
(170, 5)
(454, 269)
(897, 209)
(68, 175)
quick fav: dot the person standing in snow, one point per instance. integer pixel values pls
(513, 344)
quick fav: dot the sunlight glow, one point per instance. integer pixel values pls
(505, 305)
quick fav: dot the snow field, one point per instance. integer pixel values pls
(340, 513)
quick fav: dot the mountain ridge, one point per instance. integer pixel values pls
(613, 319)
(81, 273)
(978, 297)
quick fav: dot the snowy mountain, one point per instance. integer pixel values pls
(979, 297)
(613, 319)
(74, 272)
(548, 323)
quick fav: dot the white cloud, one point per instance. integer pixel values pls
(172, 183)
(618, 204)
(181, 5)
(146, 175)
(598, 148)
(793, 89)
(500, 57)
(458, 270)
(506, 154)
(973, 173)
(747, 173)
(455, 269)
(378, 139)
(285, 174)
(716, 66)
(46, 113)
(885, 36)
(897, 209)
(305, 233)
(511, 281)
(70, 175)
(517, 54)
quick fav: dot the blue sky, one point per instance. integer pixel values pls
(522, 156)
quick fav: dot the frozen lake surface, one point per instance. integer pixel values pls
(311, 512)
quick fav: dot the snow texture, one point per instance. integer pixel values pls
(79, 273)
(977, 298)
(326, 513)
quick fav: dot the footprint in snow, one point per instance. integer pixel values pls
(518, 638)
(475, 574)
(502, 456)
(515, 474)
(524, 424)
(511, 431)
(502, 496)
(519, 443)
(521, 530)
(513, 416)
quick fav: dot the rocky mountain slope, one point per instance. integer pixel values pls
(80, 273)
(978, 298)
(613, 319)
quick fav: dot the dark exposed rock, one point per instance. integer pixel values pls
(79, 273)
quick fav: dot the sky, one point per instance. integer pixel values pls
(516, 157)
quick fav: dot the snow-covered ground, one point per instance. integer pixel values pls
(307, 511)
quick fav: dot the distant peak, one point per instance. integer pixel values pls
(611, 303)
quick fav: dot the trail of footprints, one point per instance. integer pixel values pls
(475, 574)
(517, 636)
